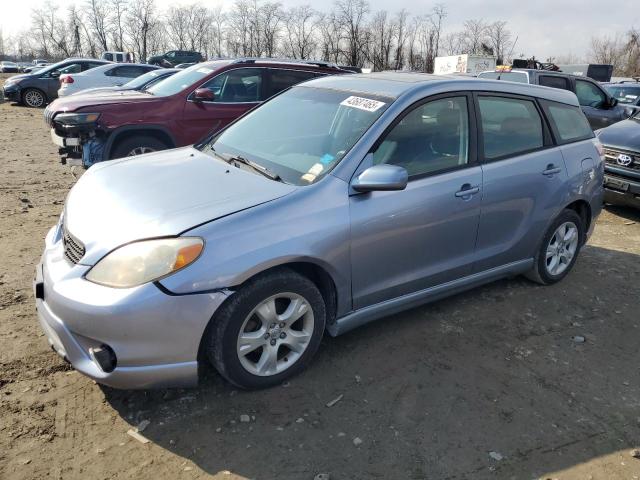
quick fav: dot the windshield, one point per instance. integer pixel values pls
(625, 94)
(302, 134)
(520, 77)
(142, 80)
(181, 80)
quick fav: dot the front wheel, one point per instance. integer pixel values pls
(559, 249)
(33, 98)
(137, 145)
(268, 331)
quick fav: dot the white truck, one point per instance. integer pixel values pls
(472, 64)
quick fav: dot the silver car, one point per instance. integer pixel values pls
(340, 201)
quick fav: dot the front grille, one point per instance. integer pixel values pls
(73, 248)
(612, 157)
(48, 116)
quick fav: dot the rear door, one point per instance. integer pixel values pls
(280, 79)
(236, 92)
(524, 179)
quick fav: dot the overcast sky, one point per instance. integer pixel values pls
(544, 27)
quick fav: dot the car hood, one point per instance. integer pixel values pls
(624, 135)
(159, 194)
(82, 99)
(19, 77)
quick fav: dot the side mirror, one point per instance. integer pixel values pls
(613, 102)
(203, 95)
(381, 178)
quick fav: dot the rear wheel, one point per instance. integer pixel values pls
(559, 249)
(137, 145)
(34, 98)
(268, 331)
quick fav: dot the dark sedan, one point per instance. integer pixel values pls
(622, 162)
(39, 88)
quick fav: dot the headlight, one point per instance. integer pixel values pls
(145, 261)
(76, 118)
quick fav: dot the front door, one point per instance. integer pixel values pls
(409, 240)
(235, 92)
(594, 103)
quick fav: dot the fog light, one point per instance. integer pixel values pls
(105, 357)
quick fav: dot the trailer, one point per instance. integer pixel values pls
(471, 64)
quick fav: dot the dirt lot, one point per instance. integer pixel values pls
(487, 384)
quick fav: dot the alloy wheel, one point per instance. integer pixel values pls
(140, 151)
(275, 334)
(34, 99)
(562, 248)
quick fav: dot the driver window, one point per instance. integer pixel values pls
(242, 85)
(431, 138)
(589, 95)
(170, 54)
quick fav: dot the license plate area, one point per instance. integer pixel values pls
(616, 184)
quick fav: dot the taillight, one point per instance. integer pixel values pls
(67, 79)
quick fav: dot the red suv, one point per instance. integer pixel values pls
(181, 110)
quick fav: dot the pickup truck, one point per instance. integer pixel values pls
(599, 106)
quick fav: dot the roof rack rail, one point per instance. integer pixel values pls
(285, 60)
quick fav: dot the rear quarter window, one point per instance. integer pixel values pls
(554, 82)
(567, 122)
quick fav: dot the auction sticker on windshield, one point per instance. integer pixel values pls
(365, 104)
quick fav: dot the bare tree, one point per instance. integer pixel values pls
(118, 12)
(331, 37)
(352, 15)
(608, 50)
(383, 35)
(97, 17)
(500, 39)
(474, 36)
(270, 16)
(216, 32)
(50, 31)
(300, 26)
(142, 28)
(401, 38)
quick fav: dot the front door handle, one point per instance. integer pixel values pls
(466, 191)
(551, 170)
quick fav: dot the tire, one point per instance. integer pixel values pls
(34, 98)
(251, 370)
(137, 143)
(550, 267)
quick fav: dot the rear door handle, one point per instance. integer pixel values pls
(551, 170)
(467, 191)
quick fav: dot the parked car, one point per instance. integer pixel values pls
(622, 162)
(340, 201)
(599, 106)
(34, 68)
(175, 57)
(39, 88)
(626, 93)
(178, 111)
(109, 75)
(9, 67)
(138, 84)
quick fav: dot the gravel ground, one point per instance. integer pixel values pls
(486, 384)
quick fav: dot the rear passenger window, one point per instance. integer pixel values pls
(569, 123)
(509, 126)
(283, 79)
(554, 82)
(431, 138)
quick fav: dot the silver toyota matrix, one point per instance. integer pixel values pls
(343, 200)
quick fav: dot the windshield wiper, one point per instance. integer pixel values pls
(256, 166)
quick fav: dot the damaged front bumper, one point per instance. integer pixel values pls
(76, 146)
